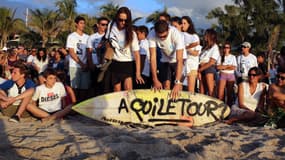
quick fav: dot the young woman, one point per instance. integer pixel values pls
(125, 43)
(41, 60)
(207, 68)
(251, 96)
(193, 48)
(226, 65)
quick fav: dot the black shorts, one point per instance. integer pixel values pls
(211, 69)
(167, 71)
(120, 71)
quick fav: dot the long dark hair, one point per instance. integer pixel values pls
(44, 57)
(211, 40)
(128, 24)
(191, 28)
(223, 53)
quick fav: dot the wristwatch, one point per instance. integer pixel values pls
(177, 82)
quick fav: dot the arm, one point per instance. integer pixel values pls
(178, 74)
(89, 58)
(191, 45)
(74, 56)
(240, 96)
(226, 67)
(156, 83)
(27, 93)
(207, 65)
(139, 78)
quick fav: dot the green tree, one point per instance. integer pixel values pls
(109, 10)
(251, 20)
(9, 24)
(47, 23)
(152, 18)
(66, 8)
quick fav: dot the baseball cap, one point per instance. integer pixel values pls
(246, 44)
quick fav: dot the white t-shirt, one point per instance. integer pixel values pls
(79, 44)
(213, 52)
(244, 63)
(50, 98)
(31, 59)
(41, 64)
(169, 46)
(229, 60)
(118, 39)
(192, 62)
(93, 42)
(144, 50)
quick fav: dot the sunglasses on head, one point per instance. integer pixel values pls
(252, 75)
(280, 77)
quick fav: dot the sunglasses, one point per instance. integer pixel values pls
(162, 36)
(227, 47)
(122, 20)
(252, 75)
(280, 77)
(244, 47)
(103, 24)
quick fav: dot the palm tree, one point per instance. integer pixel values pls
(152, 18)
(109, 10)
(67, 10)
(47, 23)
(9, 24)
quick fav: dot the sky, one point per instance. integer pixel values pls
(196, 9)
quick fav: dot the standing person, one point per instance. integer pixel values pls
(94, 58)
(142, 32)
(94, 40)
(193, 48)
(208, 59)
(170, 42)
(126, 50)
(251, 96)
(78, 69)
(15, 94)
(245, 61)
(227, 65)
(41, 61)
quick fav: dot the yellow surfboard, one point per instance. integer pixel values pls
(149, 108)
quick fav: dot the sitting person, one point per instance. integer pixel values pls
(276, 98)
(15, 94)
(51, 99)
(70, 98)
(251, 96)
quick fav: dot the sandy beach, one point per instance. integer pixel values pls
(77, 137)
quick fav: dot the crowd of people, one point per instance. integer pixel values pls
(121, 56)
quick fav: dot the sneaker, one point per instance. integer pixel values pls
(15, 119)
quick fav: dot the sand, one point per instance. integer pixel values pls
(77, 137)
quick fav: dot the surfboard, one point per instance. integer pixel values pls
(145, 107)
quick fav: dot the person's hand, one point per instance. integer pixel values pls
(157, 85)
(199, 76)
(175, 91)
(4, 104)
(10, 100)
(139, 79)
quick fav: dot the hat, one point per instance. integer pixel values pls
(246, 44)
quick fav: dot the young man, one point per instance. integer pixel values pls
(245, 61)
(78, 68)
(170, 42)
(50, 97)
(15, 94)
(94, 58)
